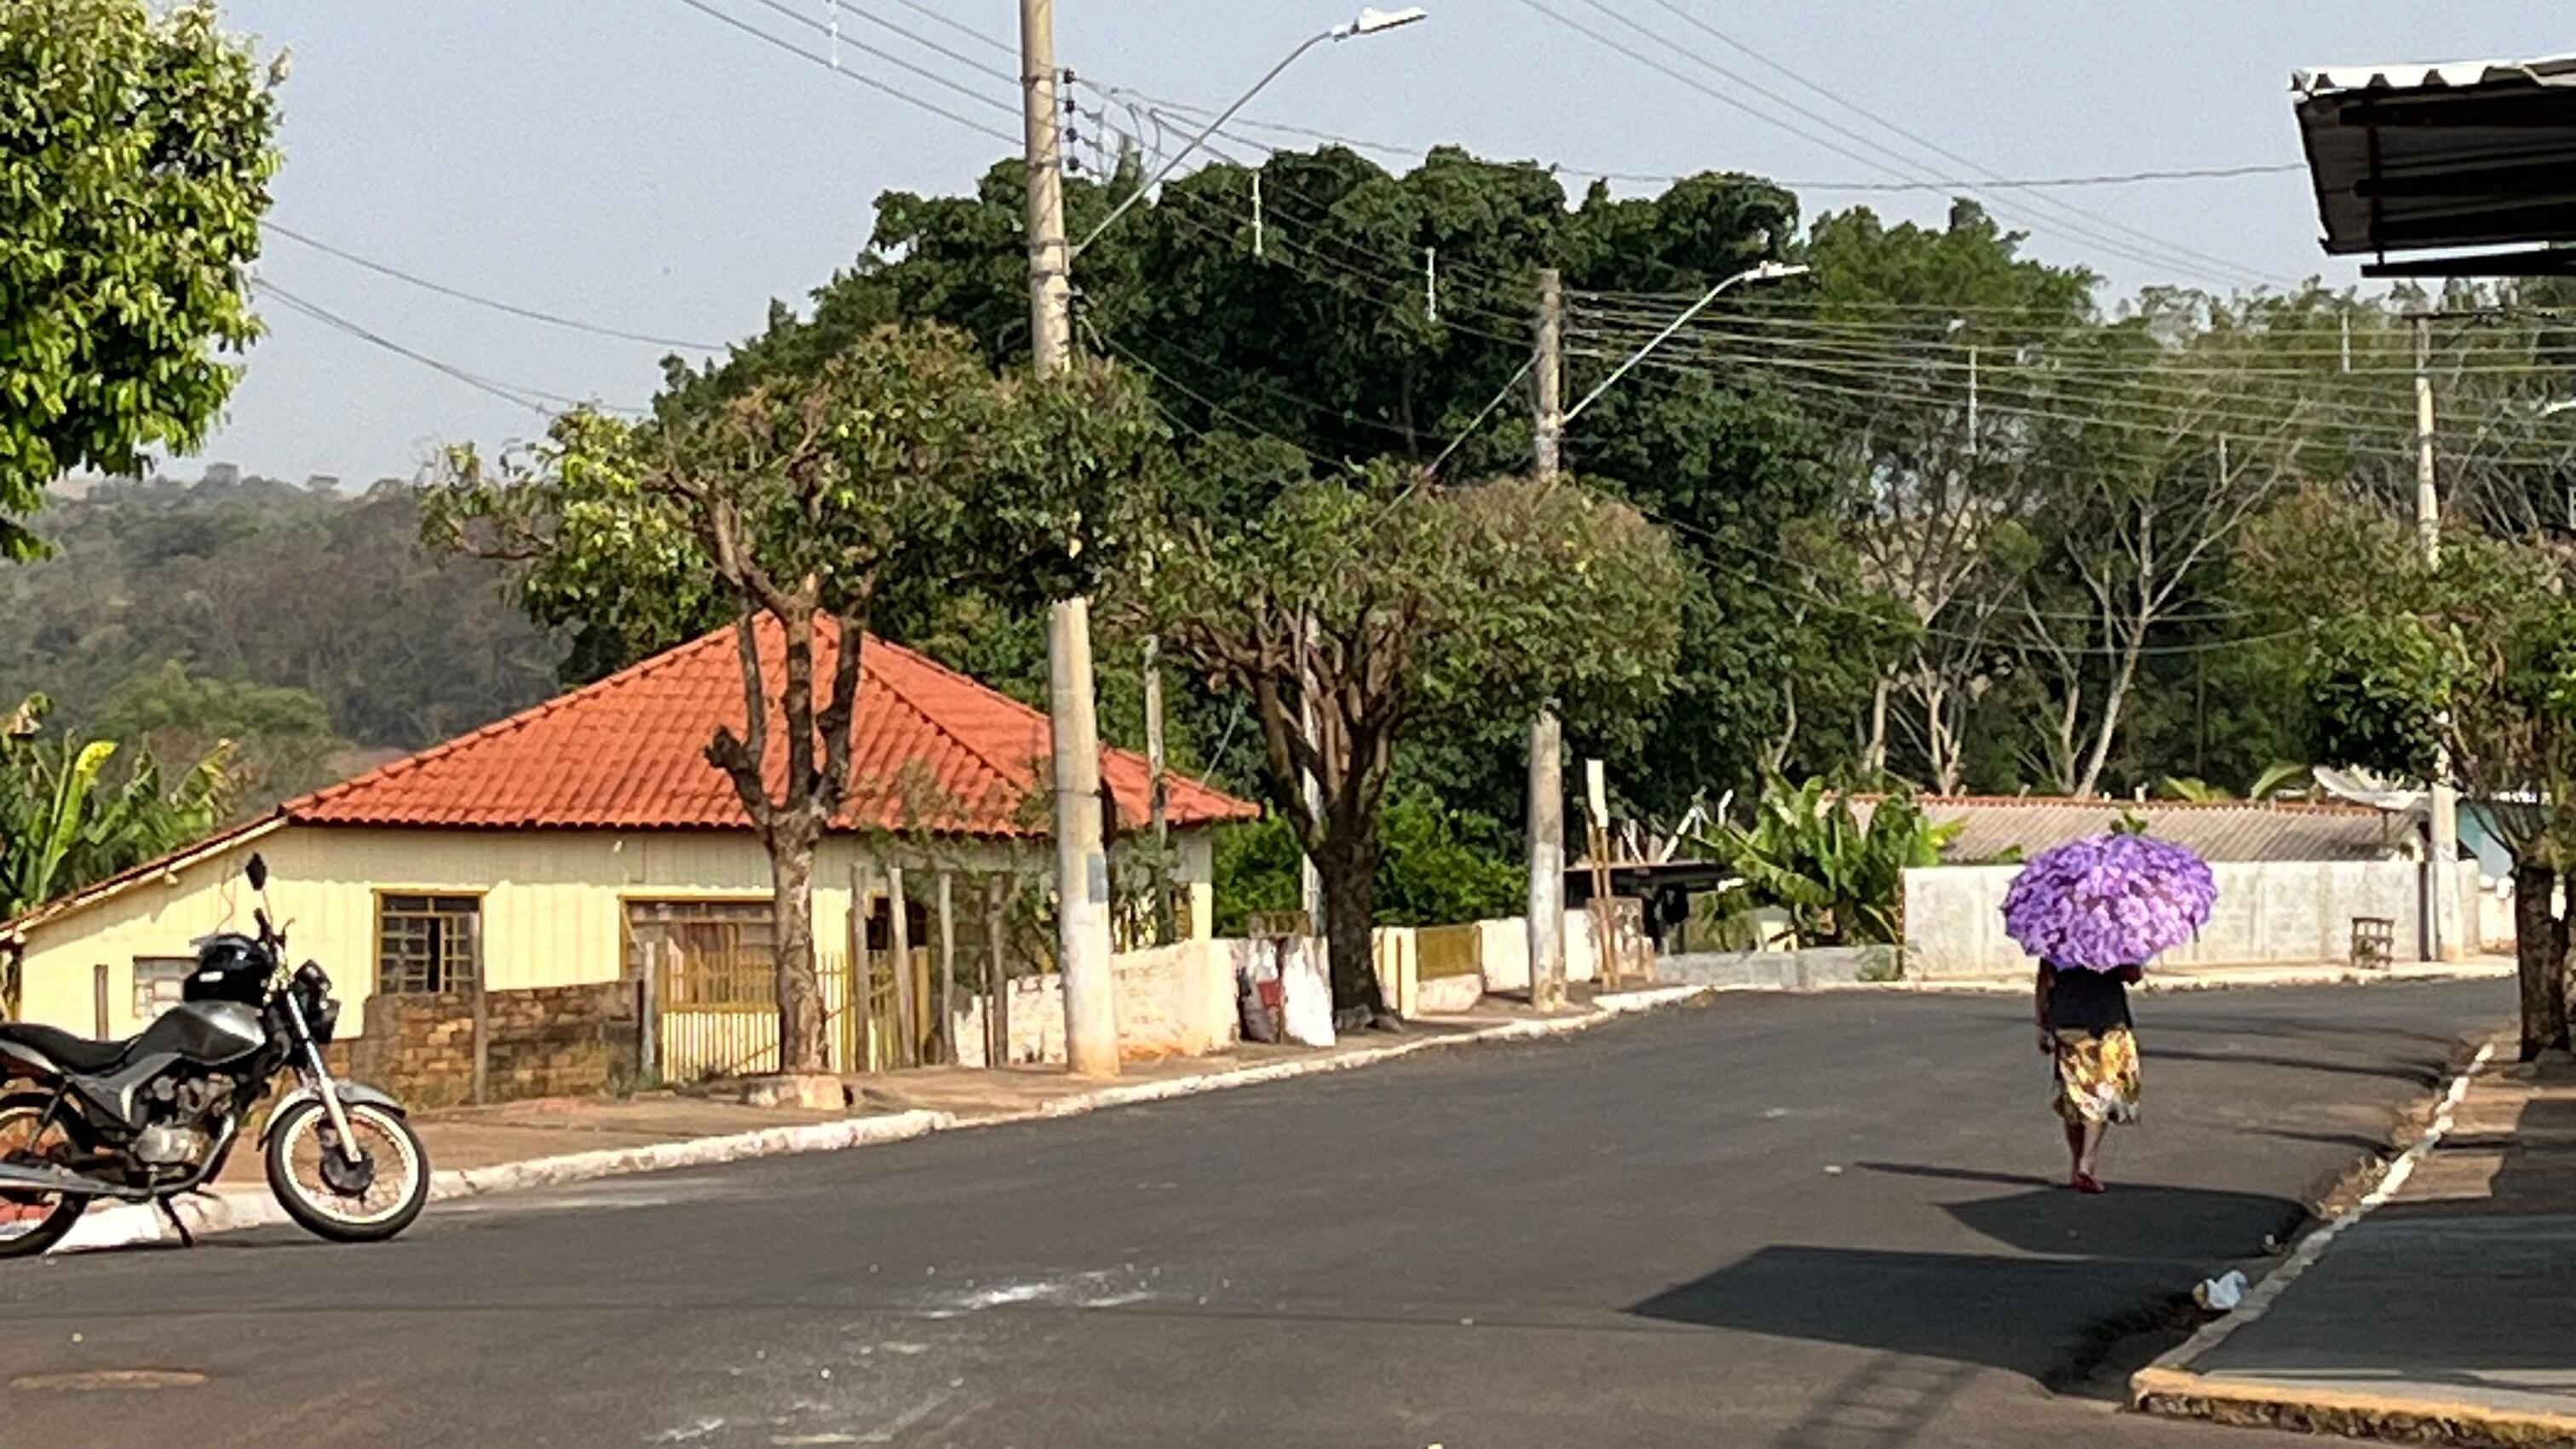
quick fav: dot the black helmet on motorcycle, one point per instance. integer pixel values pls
(230, 967)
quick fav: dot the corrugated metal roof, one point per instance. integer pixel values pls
(2409, 75)
(2218, 831)
(2463, 155)
(930, 749)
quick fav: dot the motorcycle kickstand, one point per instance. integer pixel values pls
(186, 1238)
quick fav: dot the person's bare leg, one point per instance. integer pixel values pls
(2088, 1147)
(2074, 1148)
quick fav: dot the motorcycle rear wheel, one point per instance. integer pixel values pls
(31, 1223)
(330, 1198)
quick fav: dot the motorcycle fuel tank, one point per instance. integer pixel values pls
(209, 1033)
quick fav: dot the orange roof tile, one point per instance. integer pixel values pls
(930, 749)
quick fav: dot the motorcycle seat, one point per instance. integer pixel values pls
(71, 1053)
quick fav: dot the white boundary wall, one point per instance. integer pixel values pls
(2270, 912)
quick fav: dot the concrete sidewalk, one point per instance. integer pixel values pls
(2443, 1312)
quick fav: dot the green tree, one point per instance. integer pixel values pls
(1354, 612)
(797, 507)
(2472, 665)
(1321, 352)
(136, 151)
(279, 739)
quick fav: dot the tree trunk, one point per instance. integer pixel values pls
(2540, 955)
(2114, 704)
(1873, 754)
(801, 1045)
(1348, 866)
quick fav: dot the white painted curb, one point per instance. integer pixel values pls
(2260, 1299)
(234, 1209)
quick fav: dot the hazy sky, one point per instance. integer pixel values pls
(639, 165)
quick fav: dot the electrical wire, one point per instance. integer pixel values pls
(2068, 208)
(526, 397)
(494, 303)
(1667, 178)
(1901, 169)
(858, 77)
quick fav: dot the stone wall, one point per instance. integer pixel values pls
(552, 1041)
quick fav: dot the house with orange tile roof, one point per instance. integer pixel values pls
(586, 847)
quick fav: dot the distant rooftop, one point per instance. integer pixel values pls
(2229, 830)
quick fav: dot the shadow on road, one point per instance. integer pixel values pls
(2147, 1221)
(2081, 1273)
(2425, 1076)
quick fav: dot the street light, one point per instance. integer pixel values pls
(1766, 271)
(1371, 20)
(1367, 22)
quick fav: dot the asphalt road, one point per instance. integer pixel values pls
(1820, 1221)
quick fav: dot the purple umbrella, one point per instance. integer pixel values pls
(2108, 901)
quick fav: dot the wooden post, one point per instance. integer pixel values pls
(907, 1022)
(947, 969)
(1596, 793)
(997, 971)
(862, 905)
(648, 1010)
(98, 1001)
(482, 1037)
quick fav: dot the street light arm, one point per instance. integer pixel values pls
(1210, 129)
(1764, 272)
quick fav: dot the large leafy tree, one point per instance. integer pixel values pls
(1353, 612)
(136, 150)
(795, 507)
(2470, 667)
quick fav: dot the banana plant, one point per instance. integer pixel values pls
(65, 824)
(1841, 881)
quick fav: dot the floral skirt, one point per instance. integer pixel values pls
(2097, 1076)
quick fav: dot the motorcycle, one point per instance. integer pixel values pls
(154, 1116)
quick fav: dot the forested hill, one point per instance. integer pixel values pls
(305, 623)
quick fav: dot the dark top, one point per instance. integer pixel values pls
(2091, 1001)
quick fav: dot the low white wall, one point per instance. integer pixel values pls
(1502, 951)
(2268, 912)
(1176, 1000)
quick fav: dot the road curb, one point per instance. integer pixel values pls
(235, 1210)
(2350, 1412)
(2171, 1386)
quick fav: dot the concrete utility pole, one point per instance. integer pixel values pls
(1547, 742)
(1081, 860)
(2449, 939)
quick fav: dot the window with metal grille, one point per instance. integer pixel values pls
(427, 944)
(705, 953)
(158, 982)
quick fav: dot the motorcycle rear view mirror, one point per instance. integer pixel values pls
(258, 873)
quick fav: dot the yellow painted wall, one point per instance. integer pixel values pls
(552, 904)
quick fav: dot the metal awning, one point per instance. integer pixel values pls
(2469, 154)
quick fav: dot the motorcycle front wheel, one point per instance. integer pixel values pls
(329, 1195)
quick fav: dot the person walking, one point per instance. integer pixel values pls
(2084, 1025)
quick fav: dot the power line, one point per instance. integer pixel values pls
(525, 397)
(1667, 178)
(496, 304)
(861, 77)
(1937, 149)
(2018, 391)
(1900, 170)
